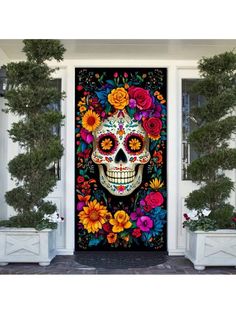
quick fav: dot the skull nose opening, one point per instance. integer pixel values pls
(120, 156)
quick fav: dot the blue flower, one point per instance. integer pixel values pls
(158, 216)
(102, 96)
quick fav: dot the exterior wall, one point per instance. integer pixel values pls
(64, 193)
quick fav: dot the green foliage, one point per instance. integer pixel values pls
(211, 142)
(202, 224)
(205, 168)
(30, 92)
(210, 195)
(42, 50)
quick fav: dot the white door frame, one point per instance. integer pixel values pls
(173, 146)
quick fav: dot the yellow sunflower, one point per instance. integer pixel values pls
(134, 144)
(106, 144)
(91, 120)
(120, 221)
(93, 216)
(156, 184)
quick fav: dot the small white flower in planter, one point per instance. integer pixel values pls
(55, 217)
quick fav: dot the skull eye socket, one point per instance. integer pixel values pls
(107, 144)
(134, 143)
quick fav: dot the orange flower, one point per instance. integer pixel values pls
(93, 216)
(108, 216)
(111, 237)
(126, 238)
(120, 221)
(121, 132)
(82, 109)
(134, 144)
(82, 102)
(156, 184)
(119, 98)
(106, 144)
(84, 199)
(90, 121)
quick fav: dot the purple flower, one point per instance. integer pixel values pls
(144, 223)
(135, 215)
(132, 103)
(142, 202)
(86, 136)
(80, 205)
(138, 116)
(80, 226)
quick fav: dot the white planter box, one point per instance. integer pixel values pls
(212, 248)
(27, 245)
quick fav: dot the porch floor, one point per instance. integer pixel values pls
(115, 263)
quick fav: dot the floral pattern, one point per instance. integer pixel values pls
(137, 221)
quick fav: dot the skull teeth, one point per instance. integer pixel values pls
(123, 177)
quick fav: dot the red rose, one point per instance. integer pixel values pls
(154, 199)
(80, 179)
(136, 233)
(79, 88)
(107, 227)
(141, 96)
(153, 127)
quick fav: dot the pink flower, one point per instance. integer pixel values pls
(154, 199)
(80, 179)
(144, 223)
(142, 97)
(115, 74)
(79, 88)
(80, 205)
(126, 74)
(86, 136)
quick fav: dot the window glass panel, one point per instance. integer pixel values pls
(56, 130)
(189, 100)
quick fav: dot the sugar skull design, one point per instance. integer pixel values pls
(120, 144)
(120, 149)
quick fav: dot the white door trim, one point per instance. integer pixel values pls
(173, 150)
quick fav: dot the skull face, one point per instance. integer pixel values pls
(120, 149)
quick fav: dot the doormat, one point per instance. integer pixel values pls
(120, 259)
(120, 158)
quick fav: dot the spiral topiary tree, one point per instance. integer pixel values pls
(217, 123)
(29, 94)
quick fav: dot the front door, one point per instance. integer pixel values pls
(120, 158)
